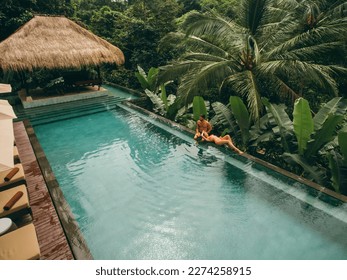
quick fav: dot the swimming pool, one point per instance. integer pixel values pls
(142, 190)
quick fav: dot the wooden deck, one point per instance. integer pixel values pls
(50, 234)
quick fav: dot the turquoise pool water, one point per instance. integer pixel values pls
(141, 190)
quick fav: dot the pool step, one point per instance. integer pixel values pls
(53, 110)
(72, 109)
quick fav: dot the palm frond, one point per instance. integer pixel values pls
(275, 33)
(203, 57)
(284, 89)
(318, 35)
(200, 79)
(317, 73)
(224, 117)
(253, 13)
(198, 44)
(336, 12)
(177, 70)
(172, 39)
(312, 52)
(191, 43)
(201, 24)
(245, 84)
(215, 29)
(322, 75)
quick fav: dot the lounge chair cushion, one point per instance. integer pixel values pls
(18, 177)
(20, 244)
(15, 155)
(21, 204)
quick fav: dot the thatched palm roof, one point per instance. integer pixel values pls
(55, 42)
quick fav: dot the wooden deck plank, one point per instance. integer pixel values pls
(50, 234)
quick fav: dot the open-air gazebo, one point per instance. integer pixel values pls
(55, 42)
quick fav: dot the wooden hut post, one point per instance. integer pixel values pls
(99, 76)
(24, 83)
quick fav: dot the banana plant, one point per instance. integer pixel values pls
(199, 107)
(302, 139)
(311, 141)
(325, 121)
(161, 102)
(283, 126)
(311, 134)
(224, 118)
(158, 103)
(188, 115)
(147, 81)
(302, 123)
(234, 118)
(157, 94)
(242, 117)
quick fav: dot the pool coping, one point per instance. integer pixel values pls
(70, 226)
(271, 166)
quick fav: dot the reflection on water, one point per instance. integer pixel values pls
(206, 158)
(139, 192)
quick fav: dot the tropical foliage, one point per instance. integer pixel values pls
(162, 104)
(157, 95)
(313, 147)
(272, 48)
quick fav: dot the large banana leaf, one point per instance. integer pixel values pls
(334, 166)
(313, 172)
(171, 100)
(302, 123)
(334, 143)
(199, 107)
(261, 132)
(241, 115)
(147, 81)
(142, 72)
(159, 105)
(152, 77)
(183, 110)
(163, 96)
(224, 116)
(336, 106)
(282, 120)
(324, 135)
(142, 80)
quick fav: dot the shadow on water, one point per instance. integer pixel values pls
(206, 158)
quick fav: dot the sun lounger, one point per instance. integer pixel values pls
(15, 155)
(20, 207)
(17, 179)
(20, 244)
(93, 82)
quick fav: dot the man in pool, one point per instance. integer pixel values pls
(225, 140)
(202, 126)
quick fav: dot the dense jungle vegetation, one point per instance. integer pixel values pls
(271, 73)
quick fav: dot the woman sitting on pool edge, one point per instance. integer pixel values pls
(225, 140)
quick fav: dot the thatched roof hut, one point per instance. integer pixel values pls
(55, 42)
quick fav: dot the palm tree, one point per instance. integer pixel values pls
(272, 48)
